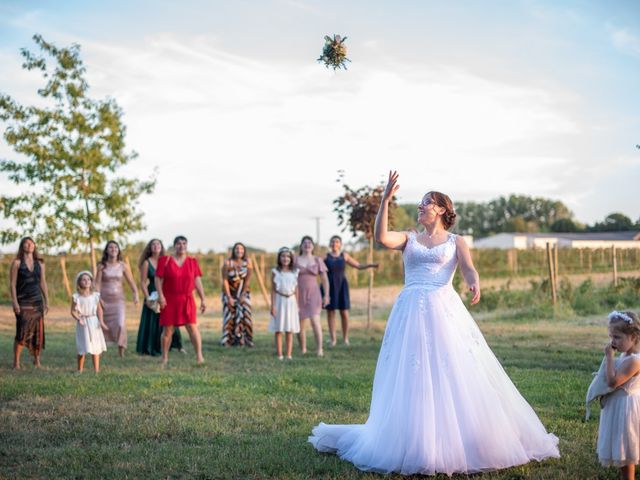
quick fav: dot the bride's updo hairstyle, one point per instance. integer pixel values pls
(443, 201)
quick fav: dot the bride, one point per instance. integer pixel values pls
(441, 401)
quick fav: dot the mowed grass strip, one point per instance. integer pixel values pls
(247, 415)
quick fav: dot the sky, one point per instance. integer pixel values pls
(246, 131)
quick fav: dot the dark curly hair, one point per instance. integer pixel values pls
(443, 201)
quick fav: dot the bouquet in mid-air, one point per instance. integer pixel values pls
(334, 52)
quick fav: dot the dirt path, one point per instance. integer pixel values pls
(58, 317)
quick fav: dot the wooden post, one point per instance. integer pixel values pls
(552, 282)
(94, 264)
(370, 289)
(555, 264)
(65, 278)
(510, 260)
(614, 262)
(581, 260)
(260, 277)
(354, 274)
(262, 270)
(515, 261)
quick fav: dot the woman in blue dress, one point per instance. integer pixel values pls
(336, 262)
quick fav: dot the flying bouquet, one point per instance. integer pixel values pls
(334, 52)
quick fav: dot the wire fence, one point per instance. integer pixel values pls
(491, 263)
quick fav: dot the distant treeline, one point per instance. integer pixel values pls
(518, 213)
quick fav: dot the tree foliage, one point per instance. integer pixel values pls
(614, 222)
(357, 209)
(515, 213)
(72, 149)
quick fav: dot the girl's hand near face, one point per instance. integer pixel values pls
(609, 350)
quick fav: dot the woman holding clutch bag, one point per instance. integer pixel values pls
(149, 332)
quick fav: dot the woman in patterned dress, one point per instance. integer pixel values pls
(150, 332)
(30, 299)
(237, 327)
(111, 271)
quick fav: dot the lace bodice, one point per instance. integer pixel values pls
(430, 267)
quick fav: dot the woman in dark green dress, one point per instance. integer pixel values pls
(149, 333)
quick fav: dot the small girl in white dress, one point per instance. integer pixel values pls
(619, 432)
(284, 306)
(86, 308)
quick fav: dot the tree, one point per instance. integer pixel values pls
(515, 213)
(566, 225)
(405, 216)
(614, 222)
(73, 148)
(356, 211)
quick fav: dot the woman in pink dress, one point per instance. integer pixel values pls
(310, 300)
(111, 270)
(176, 278)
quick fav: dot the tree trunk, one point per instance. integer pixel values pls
(370, 290)
(94, 266)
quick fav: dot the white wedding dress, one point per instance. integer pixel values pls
(441, 401)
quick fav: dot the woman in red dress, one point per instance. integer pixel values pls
(176, 277)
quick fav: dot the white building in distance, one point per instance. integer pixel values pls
(522, 241)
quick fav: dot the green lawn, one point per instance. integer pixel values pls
(246, 415)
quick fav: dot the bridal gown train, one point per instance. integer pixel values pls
(441, 401)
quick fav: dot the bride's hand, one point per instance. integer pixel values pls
(392, 186)
(475, 289)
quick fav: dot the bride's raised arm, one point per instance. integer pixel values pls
(384, 236)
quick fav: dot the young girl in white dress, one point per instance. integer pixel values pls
(619, 432)
(441, 401)
(284, 306)
(86, 308)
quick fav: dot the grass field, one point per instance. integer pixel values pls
(246, 415)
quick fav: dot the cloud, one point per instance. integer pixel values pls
(250, 148)
(625, 40)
